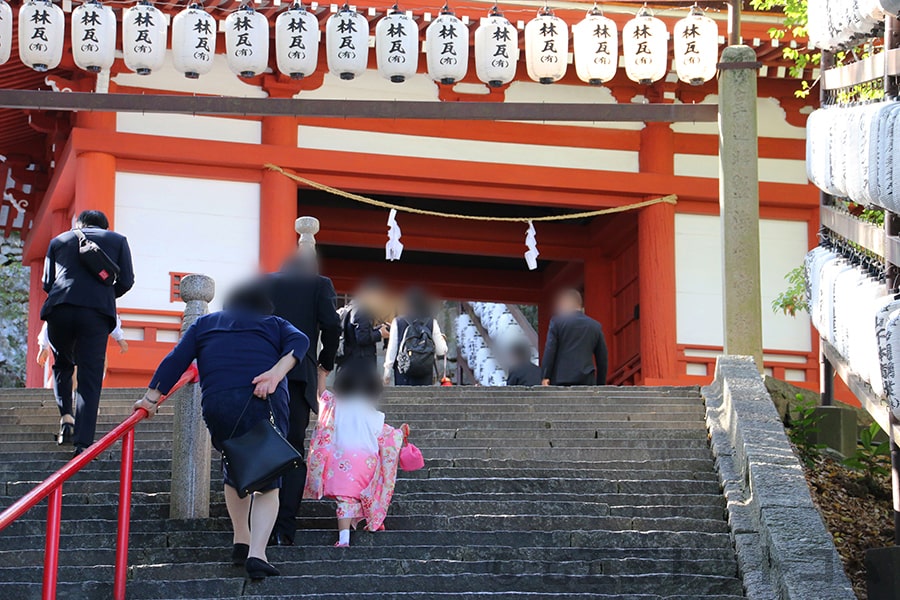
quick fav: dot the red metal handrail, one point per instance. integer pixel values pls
(52, 487)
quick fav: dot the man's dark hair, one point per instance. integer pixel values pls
(93, 218)
(358, 378)
(250, 298)
(521, 351)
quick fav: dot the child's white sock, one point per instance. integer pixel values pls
(344, 537)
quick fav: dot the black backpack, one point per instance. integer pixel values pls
(95, 260)
(415, 356)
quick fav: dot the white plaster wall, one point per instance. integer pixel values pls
(389, 144)
(217, 129)
(773, 170)
(179, 224)
(698, 270)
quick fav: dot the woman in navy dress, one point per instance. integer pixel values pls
(243, 353)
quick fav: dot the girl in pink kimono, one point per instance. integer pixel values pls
(353, 454)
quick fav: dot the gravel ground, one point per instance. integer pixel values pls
(858, 513)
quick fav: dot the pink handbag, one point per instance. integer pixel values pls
(411, 458)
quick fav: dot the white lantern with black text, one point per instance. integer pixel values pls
(297, 41)
(144, 29)
(696, 48)
(496, 49)
(193, 41)
(6, 31)
(596, 42)
(646, 48)
(93, 36)
(42, 26)
(347, 43)
(397, 46)
(247, 42)
(447, 48)
(546, 47)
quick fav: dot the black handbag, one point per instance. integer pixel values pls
(95, 260)
(260, 456)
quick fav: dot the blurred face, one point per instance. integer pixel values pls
(565, 305)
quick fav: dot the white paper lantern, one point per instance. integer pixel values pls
(93, 36)
(546, 47)
(42, 26)
(144, 29)
(347, 43)
(496, 50)
(596, 43)
(696, 48)
(447, 48)
(193, 41)
(297, 42)
(6, 31)
(397, 46)
(247, 42)
(646, 49)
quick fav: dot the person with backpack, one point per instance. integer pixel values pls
(415, 344)
(85, 271)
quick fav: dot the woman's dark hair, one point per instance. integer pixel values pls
(250, 298)
(93, 218)
(418, 303)
(358, 379)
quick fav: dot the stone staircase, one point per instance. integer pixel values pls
(588, 493)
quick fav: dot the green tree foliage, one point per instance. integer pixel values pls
(794, 23)
(793, 299)
(13, 313)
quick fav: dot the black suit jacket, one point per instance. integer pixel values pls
(575, 353)
(308, 302)
(67, 281)
(526, 374)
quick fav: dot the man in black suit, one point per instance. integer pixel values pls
(523, 372)
(575, 353)
(80, 311)
(307, 300)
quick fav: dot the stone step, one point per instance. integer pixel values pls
(178, 571)
(76, 557)
(609, 584)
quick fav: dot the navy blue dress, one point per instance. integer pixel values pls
(231, 348)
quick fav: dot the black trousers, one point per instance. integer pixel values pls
(78, 336)
(294, 481)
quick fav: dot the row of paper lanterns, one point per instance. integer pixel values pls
(144, 35)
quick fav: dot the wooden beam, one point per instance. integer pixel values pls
(381, 109)
(861, 389)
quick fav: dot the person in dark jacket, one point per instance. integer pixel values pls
(307, 301)
(80, 312)
(243, 354)
(523, 372)
(361, 333)
(575, 353)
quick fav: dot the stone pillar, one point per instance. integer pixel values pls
(306, 228)
(191, 447)
(739, 204)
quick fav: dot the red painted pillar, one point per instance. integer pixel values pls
(598, 296)
(34, 375)
(95, 184)
(656, 262)
(277, 199)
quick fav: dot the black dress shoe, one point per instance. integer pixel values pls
(239, 554)
(259, 569)
(280, 539)
(78, 450)
(66, 431)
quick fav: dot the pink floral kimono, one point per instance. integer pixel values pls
(353, 458)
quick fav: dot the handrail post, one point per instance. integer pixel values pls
(191, 447)
(126, 473)
(51, 549)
